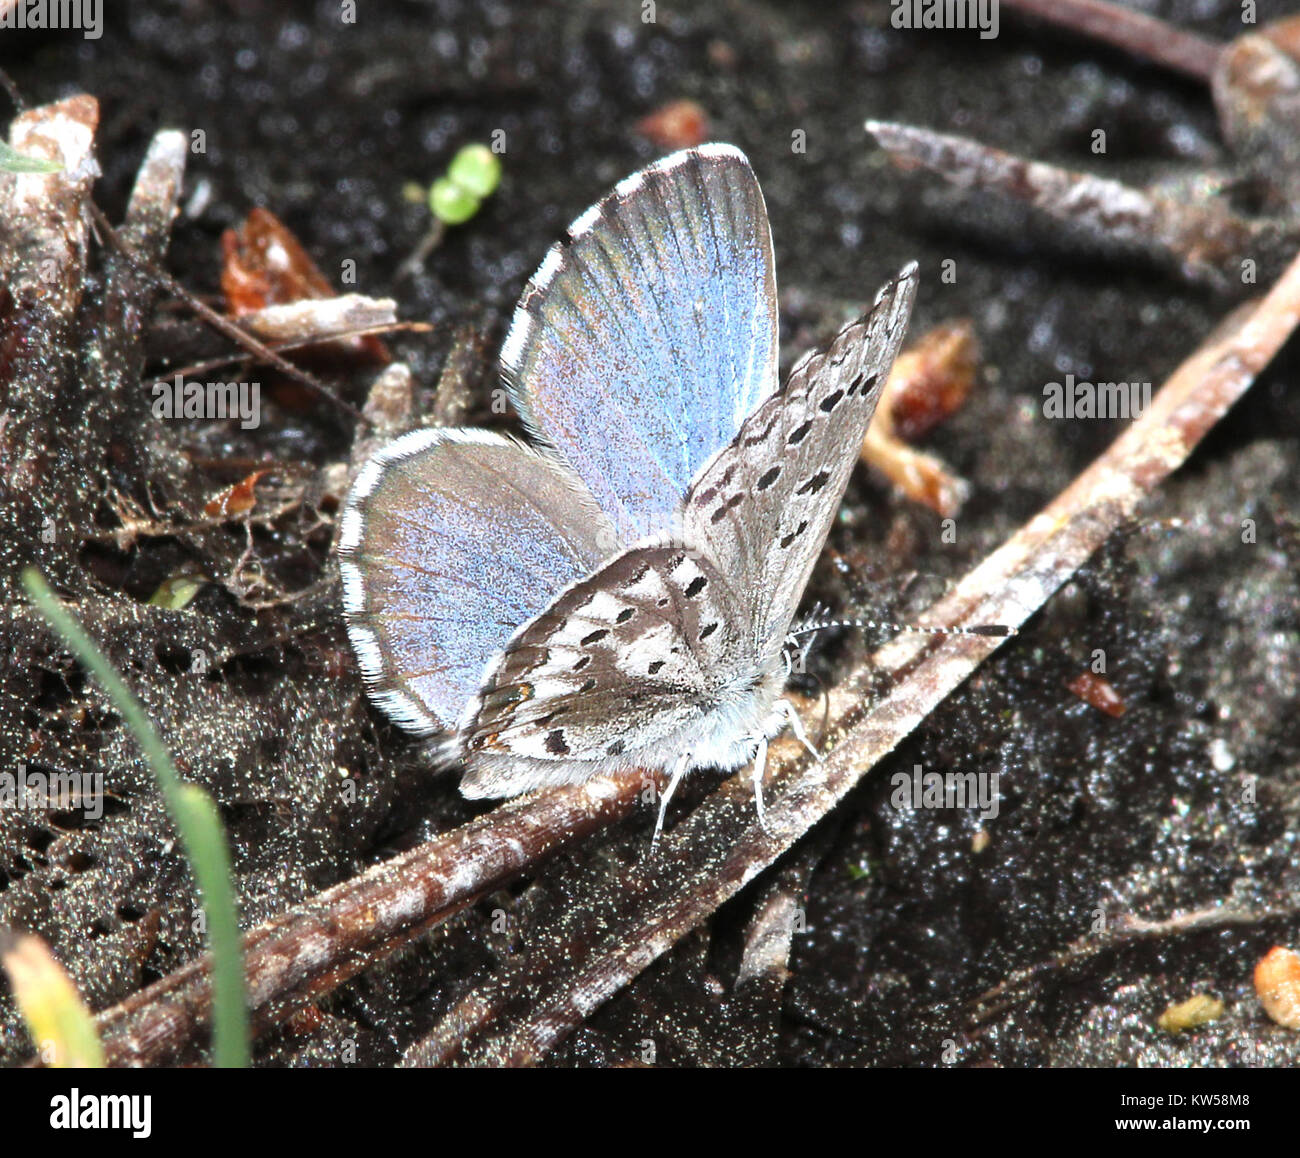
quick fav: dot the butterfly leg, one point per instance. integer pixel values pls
(760, 765)
(679, 770)
(796, 726)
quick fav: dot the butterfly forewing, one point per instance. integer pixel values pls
(765, 504)
(644, 341)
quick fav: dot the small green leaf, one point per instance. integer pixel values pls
(476, 169)
(451, 204)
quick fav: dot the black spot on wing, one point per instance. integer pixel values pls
(721, 512)
(709, 493)
(814, 483)
(761, 435)
(862, 383)
(786, 540)
(767, 478)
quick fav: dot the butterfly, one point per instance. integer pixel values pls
(618, 593)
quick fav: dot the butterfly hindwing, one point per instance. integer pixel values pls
(450, 539)
(645, 339)
(765, 504)
(624, 660)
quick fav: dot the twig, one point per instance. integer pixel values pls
(44, 254)
(304, 343)
(1205, 242)
(313, 948)
(1143, 36)
(1129, 930)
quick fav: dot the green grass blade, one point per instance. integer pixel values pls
(195, 815)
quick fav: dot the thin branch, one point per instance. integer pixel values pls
(1205, 242)
(309, 951)
(1128, 930)
(159, 277)
(1145, 37)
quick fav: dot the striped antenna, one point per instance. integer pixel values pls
(995, 629)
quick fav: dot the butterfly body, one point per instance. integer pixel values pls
(620, 596)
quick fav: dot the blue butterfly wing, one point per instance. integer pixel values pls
(450, 540)
(645, 340)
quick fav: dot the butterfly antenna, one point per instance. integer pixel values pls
(994, 629)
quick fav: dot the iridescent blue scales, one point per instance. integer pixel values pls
(619, 597)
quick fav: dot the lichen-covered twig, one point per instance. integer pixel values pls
(1205, 242)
